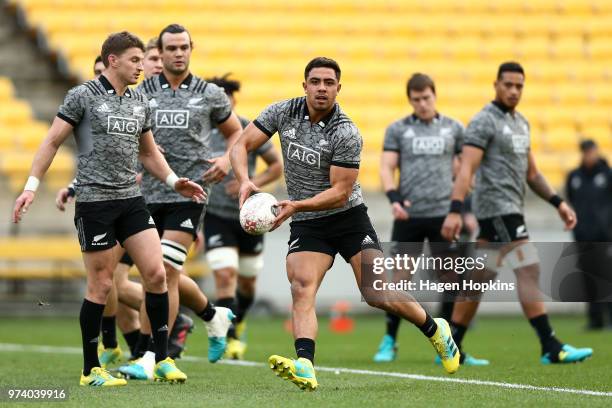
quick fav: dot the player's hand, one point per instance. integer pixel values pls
(285, 210)
(220, 168)
(567, 215)
(399, 212)
(452, 227)
(22, 204)
(63, 198)
(246, 189)
(188, 188)
(232, 188)
(139, 178)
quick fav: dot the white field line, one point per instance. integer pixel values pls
(7, 347)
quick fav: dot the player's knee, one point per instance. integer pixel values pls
(174, 255)
(301, 290)
(225, 277)
(155, 278)
(378, 304)
(100, 287)
(246, 285)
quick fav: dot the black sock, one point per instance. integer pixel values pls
(90, 319)
(230, 303)
(446, 310)
(305, 348)
(208, 313)
(131, 338)
(141, 345)
(393, 323)
(157, 309)
(550, 344)
(458, 331)
(429, 327)
(109, 332)
(244, 303)
(151, 345)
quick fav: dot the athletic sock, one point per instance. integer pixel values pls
(90, 319)
(109, 332)
(208, 313)
(429, 327)
(243, 304)
(458, 331)
(550, 344)
(131, 338)
(305, 348)
(393, 323)
(141, 345)
(230, 303)
(157, 309)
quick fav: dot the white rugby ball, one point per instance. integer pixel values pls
(258, 213)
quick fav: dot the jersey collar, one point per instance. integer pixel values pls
(323, 122)
(109, 87)
(415, 119)
(163, 82)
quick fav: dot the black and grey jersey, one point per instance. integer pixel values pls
(219, 202)
(182, 121)
(426, 152)
(500, 180)
(310, 149)
(107, 128)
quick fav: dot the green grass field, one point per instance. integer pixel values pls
(508, 342)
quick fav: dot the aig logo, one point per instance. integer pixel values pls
(173, 119)
(303, 154)
(520, 143)
(122, 126)
(428, 145)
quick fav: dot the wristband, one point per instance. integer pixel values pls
(171, 180)
(71, 190)
(31, 184)
(394, 196)
(555, 201)
(456, 207)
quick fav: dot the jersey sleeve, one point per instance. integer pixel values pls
(148, 121)
(392, 139)
(73, 108)
(347, 146)
(221, 108)
(267, 121)
(479, 132)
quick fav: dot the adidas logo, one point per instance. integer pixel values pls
(507, 130)
(409, 133)
(187, 223)
(103, 108)
(164, 328)
(367, 241)
(153, 103)
(290, 133)
(151, 222)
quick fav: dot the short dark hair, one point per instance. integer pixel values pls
(229, 85)
(118, 43)
(510, 66)
(96, 61)
(419, 82)
(172, 29)
(587, 144)
(322, 62)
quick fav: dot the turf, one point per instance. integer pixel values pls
(508, 342)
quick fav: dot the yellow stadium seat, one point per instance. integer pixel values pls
(568, 47)
(7, 91)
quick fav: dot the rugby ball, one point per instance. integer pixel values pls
(258, 213)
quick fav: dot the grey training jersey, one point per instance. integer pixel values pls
(182, 122)
(107, 128)
(501, 178)
(426, 152)
(310, 149)
(219, 203)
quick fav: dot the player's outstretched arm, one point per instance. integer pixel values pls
(471, 157)
(250, 139)
(155, 163)
(57, 134)
(539, 185)
(389, 162)
(341, 179)
(231, 130)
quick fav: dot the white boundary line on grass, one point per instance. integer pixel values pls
(417, 377)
